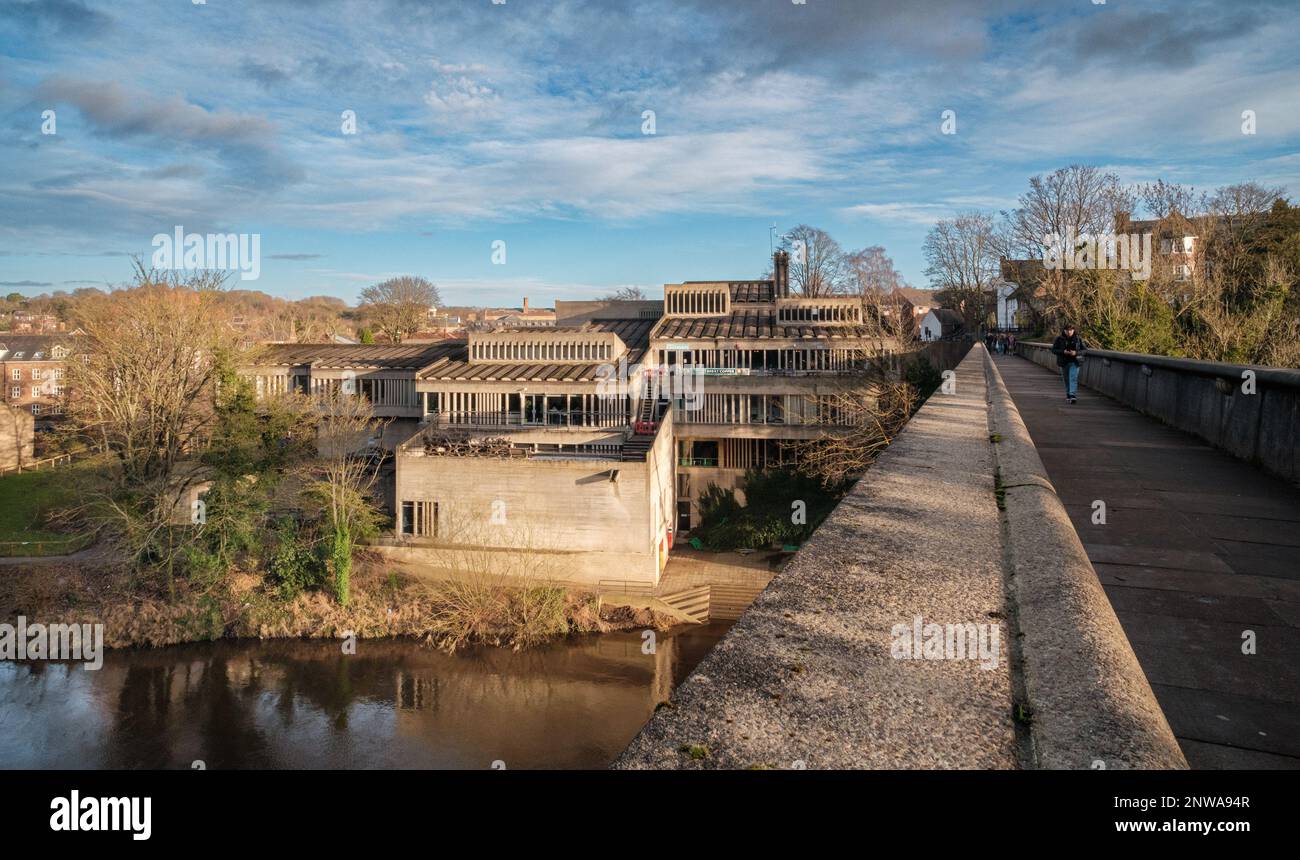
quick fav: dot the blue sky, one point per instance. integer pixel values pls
(522, 121)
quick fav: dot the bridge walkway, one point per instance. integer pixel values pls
(1197, 548)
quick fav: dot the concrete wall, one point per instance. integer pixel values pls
(811, 675)
(806, 677)
(572, 313)
(561, 519)
(1204, 398)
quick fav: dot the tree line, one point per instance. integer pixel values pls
(1234, 296)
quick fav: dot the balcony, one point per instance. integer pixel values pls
(523, 421)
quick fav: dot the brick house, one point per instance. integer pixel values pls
(32, 369)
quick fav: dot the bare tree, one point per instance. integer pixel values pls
(872, 409)
(342, 476)
(1163, 199)
(818, 266)
(1234, 202)
(142, 386)
(399, 307)
(1076, 199)
(873, 273)
(625, 294)
(962, 264)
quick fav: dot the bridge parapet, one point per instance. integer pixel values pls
(1251, 412)
(827, 668)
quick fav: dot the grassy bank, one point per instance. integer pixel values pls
(446, 614)
(27, 499)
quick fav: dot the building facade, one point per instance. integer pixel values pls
(33, 368)
(586, 444)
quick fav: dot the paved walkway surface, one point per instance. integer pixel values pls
(1197, 549)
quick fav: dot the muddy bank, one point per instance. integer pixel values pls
(383, 603)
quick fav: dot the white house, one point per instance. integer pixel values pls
(1007, 306)
(940, 323)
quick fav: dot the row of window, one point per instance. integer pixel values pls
(562, 351)
(769, 409)
(57, 353)
(16, 374)
(16, 391)
(764, 359)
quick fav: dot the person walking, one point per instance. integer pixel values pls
(1069, 349)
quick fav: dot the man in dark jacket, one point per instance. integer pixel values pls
(1069, 351)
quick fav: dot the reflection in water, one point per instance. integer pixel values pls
(304, 704)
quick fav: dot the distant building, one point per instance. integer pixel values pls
(906, 307)
(588, 440)
(32, 368)
(1175, 240)
(520, 317)
(941, 324)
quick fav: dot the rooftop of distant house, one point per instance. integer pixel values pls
(31, 347)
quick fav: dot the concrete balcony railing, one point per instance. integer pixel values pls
(570, 420)
(1251, 412)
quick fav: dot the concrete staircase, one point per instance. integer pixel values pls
(728, 601)
(638, 445)
(693, 601)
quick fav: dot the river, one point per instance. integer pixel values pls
(304, 704)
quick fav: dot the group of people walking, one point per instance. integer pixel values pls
(1000, 342)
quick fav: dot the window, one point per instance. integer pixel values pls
(16, 391)
(36, 409)
(36, 391)
(36, 373)
(58, 373)
(16, 374)
(420, 519)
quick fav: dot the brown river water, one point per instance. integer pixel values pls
(304, 704)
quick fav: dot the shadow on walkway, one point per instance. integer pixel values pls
(1197, 548)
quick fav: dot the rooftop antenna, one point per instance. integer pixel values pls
(771, 240)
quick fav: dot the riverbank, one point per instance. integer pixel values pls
(384, 603)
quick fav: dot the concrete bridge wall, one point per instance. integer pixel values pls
(956, 524)
(1208, 399)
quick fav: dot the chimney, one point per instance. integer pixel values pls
(525, 304)
(781, 274)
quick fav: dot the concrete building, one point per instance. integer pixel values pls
(585, 444)
(757, 371)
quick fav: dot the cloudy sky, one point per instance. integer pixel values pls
(522, 121)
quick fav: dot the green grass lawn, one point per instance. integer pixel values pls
(26, 498)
